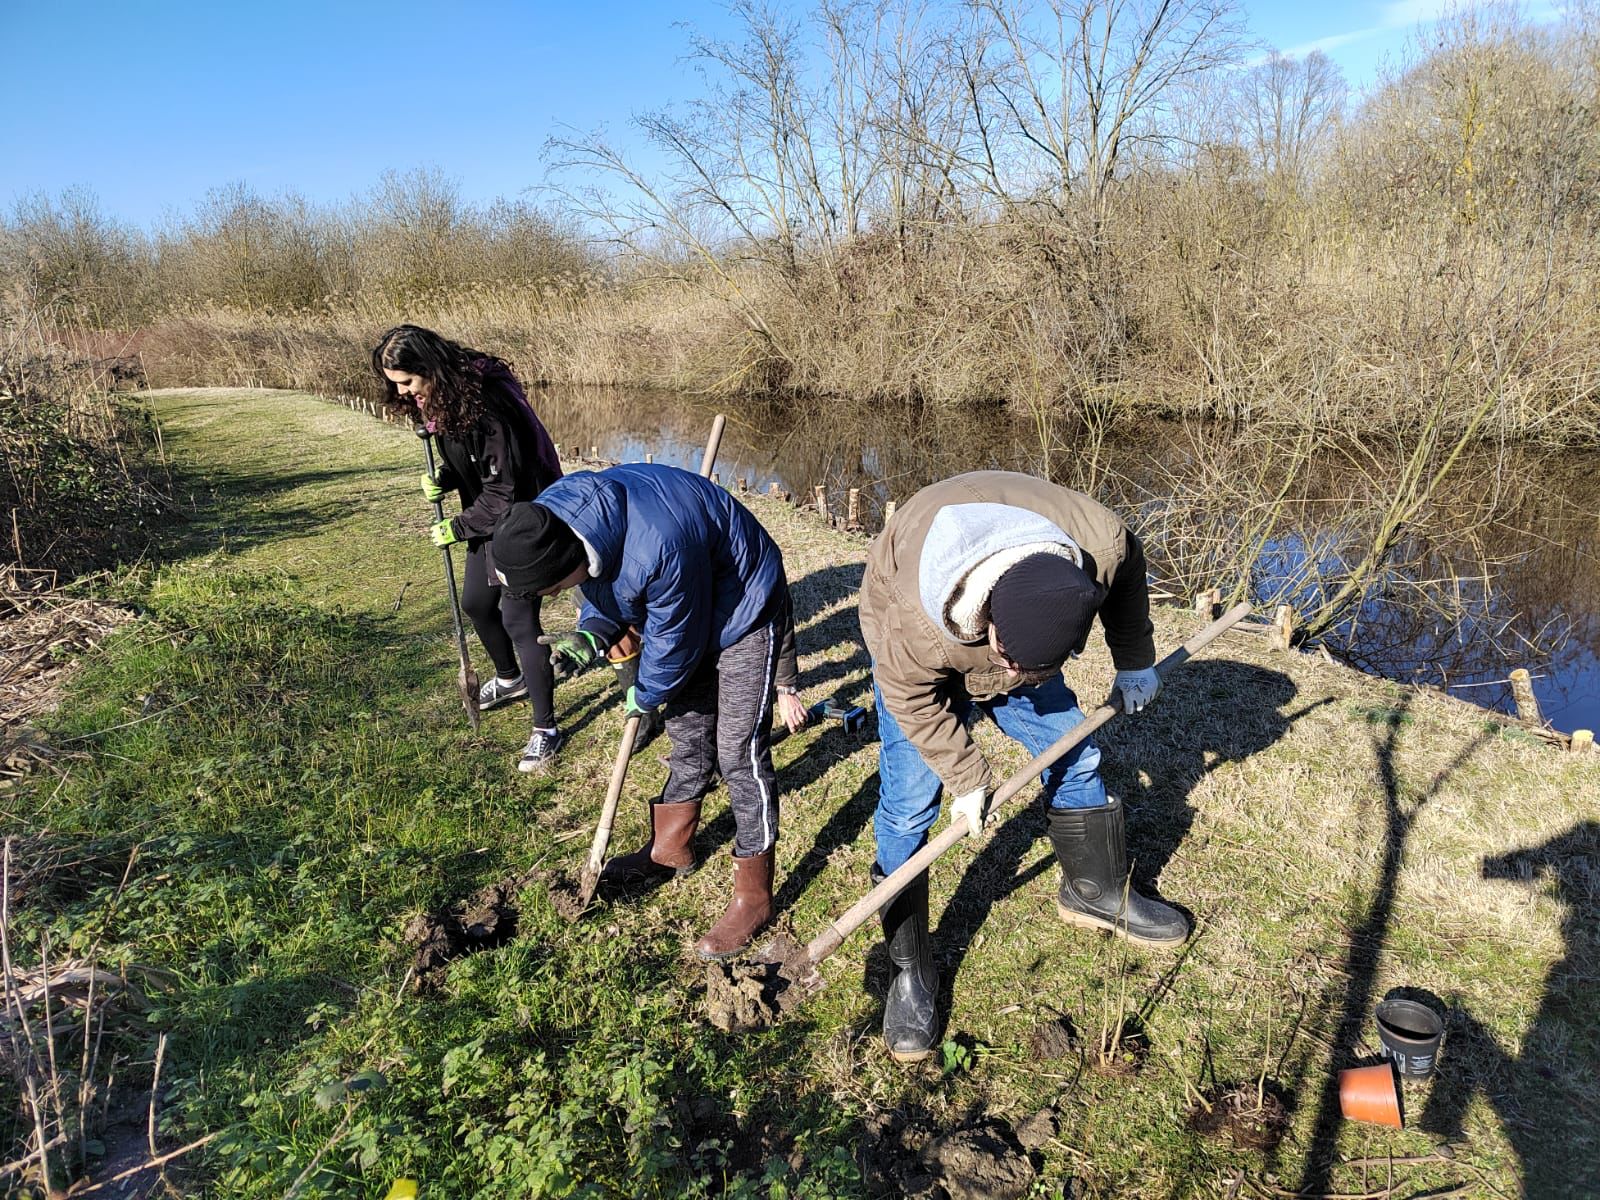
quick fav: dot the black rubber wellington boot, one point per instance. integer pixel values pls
(627, 672)
(911, 1009)
(1092, 847)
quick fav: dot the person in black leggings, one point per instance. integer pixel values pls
(495, 452)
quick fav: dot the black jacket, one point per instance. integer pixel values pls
(505, 458)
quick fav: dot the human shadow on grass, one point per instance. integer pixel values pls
(1544, 1092)
(1368, 929)
(812, 594)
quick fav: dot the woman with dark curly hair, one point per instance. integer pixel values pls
(495, 452)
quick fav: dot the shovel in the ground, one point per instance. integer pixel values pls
(619, 770)
(768, 989)
(466, 677)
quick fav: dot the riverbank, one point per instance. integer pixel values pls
(280, 739)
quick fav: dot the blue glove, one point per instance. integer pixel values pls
(443, 533)
(431, 491)
(574, 652)
(632, 708)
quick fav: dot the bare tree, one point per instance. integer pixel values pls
(1287, 107)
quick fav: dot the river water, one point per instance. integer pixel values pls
(1500, 568)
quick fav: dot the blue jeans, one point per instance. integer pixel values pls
(909, 791)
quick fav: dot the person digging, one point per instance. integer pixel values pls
(677, 558)
(974, 596)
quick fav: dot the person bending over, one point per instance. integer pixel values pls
(974, 596)
(675, 557)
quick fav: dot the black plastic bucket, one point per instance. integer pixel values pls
(1410, 1033)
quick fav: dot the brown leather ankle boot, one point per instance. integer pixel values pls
(670, 850)
(748, 911)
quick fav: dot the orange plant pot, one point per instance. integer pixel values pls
(1369, 1094)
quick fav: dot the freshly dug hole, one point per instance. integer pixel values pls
(485, 920)
(745, 996)
(1237, 1114)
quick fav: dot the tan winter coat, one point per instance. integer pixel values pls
(920, 661)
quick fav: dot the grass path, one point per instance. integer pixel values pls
(294, 770)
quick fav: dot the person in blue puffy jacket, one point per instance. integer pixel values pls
(677, 558)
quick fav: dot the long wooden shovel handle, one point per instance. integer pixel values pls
(842, 927)
(608, 812)
(709, 458)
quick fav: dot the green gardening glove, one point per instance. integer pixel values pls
(574, 652)
(443, 533)
(431, 491)
(632, 708)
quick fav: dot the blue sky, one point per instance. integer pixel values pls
(148, 105)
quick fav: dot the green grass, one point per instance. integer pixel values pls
(287, 754)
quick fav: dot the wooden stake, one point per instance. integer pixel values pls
(821, 493)
(650, 458)
(773, 489)
(1522, 692)
(1283, 628)
(744, 485)
(888, 511)
(852, 518)
(1582, 741)
(716, 478)
(594, 451)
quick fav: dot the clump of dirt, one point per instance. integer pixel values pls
(1053, 1039)
(983, 1161)
(485, 920)
(744, 996)
(1252, 1117)
(564, 897)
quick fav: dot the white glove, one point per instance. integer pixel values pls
(970, 808)
(1138, 688)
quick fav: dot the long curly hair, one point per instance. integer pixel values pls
(455, 371)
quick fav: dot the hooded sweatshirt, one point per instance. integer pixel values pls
(924, 599)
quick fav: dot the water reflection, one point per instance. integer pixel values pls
(1501, 568)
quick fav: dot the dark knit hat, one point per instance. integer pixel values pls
(535, 549)
(1041, 609)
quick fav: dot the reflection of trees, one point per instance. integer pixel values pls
(1497, 569)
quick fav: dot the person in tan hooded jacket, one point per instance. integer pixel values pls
(975, 594)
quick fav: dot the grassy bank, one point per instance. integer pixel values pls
(267, 777)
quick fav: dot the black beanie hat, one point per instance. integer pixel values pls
(1041, 609)
(535, 549)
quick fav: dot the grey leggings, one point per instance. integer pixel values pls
(722, 721)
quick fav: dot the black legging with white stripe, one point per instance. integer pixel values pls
(722, 721)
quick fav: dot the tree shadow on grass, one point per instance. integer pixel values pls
(1368, 932)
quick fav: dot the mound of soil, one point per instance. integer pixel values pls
(564, 896)
(982, 1161)
(485, 920)
(744, 996)
(1248, 1119)
(985, 1162)
(1053, 1039)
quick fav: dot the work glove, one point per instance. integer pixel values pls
(574, 652)
(431, 491)
(632, 708)
(443, 533)
(971, 808)
(1138, 688)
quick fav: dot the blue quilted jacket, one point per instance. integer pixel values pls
(673, 555)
